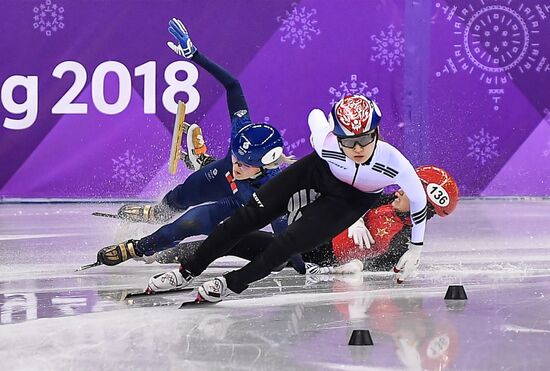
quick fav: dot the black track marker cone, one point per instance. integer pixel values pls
(456, 293)
(360, 337)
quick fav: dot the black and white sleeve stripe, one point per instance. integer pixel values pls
(333, 154)
(386, 170)
(420, 216)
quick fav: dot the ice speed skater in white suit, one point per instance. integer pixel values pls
(349, 167)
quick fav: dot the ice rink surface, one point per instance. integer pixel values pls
(55, 319)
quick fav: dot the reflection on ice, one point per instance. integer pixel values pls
(54, 318)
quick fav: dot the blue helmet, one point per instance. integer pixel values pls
(257, 145)
(354, 115)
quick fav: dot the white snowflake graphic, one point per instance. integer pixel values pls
(48, 17)
(127, 169)
(546, 152)
(298, 25)
(353, 86)
(292, 146)
(483, 146)
(389, 47)
(495, 39)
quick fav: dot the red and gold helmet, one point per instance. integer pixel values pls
(440, 187)
(354, 115)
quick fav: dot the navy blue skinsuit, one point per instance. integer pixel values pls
(213, 183)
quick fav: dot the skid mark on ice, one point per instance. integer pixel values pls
(518, 329)
(9, 237)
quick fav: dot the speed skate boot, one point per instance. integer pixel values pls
(153, 214)
(171, 280)
(213, 290)
(116, 254)
(196, 157)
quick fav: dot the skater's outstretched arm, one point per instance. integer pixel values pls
(235, 96)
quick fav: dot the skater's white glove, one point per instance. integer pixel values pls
(317, 121)
(408, 263)
(360, 234)
(408, 354)
(357, 308)
(314, 269)
(185, 47)
(150, 259)
(319, 127)
(354, 266)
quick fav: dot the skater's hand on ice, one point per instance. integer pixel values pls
(352, 267)
(360, 234)
(185, 47)
(408, 263)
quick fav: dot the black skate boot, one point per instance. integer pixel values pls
(196, 157)
(205, 159)
(116, 254)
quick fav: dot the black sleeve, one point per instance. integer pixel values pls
(235, 96)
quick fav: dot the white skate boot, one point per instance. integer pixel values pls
(214, 290)
(168, 281)
(196, 147)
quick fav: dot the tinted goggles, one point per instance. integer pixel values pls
(363, 140)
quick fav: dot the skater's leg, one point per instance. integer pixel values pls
(247, 248)
(199, 220)
(207, 184)
(252, 245)
(268, 203)
(326, 218)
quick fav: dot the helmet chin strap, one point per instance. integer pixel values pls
(258, 174)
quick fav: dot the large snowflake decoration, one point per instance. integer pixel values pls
(495, 39)
(483, 146)
(389, 47)
(353, 86)
(127, 169)
(48, 17)
(298, 25)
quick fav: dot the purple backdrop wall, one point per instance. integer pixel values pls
(484, 67)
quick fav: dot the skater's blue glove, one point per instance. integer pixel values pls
(185, 47)
(408, 263)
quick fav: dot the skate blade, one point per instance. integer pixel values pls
(148, 292)
(88, 266)
(177, 136)
(106, 215)
(198, 301)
